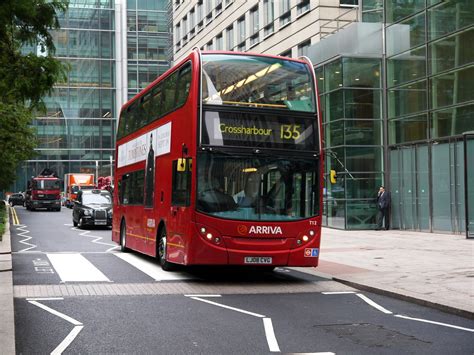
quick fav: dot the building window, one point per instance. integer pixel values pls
(285, 12)
(218, 7)
(254, 25)
(209, 46)
(199, 14)
(241, 31)
(177, 33)
(302, 7)
(209, 8)
(192, 21)
(219, 42)
(230, 38)
(268, 17)
(286, 53)
(228, 2)
(303, 48)
(185, 27)
(348, 3)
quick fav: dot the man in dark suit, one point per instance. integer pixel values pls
(383, 206)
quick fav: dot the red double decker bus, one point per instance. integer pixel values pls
(219, 162)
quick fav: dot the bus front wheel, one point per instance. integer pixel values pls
(165, 265)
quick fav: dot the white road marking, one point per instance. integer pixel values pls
(56, 313)
(45, 299)
(373, 304)
(270, 334)
(67, 340)
(97, 239)
(339, 293)
(202, 295)
(72, 334)
(152, 269)
(23, 234)
(437, 323)
(228, 307)
(75, 268)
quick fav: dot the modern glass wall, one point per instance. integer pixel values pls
(147, 42)
(78, 128)
(430, 104)
(350, 94)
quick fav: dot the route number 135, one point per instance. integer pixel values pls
(290, 131)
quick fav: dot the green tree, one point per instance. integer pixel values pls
(25, 76)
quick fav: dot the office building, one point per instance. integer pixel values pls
(113, 49)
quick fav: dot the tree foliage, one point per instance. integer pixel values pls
(17, 140)
(27, 24)
(26, 76)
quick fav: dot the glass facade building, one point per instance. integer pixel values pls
(401, 117)
(77, 132)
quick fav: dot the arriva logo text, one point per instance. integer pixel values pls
(265, 230)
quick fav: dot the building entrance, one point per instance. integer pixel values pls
(427, 184)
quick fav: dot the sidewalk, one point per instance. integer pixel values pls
(435, 270)
(7, 323)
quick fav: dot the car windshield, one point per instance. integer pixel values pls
(254, 188)
(94, 199)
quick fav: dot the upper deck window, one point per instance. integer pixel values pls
(255, 81)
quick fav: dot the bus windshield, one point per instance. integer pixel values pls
(266, 188)
(254, 81)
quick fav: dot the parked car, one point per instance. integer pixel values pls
(16, 199)
(92, 208)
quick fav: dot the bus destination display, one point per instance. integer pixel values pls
(228, 129)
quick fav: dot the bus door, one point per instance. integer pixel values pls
(178, 224)
(132, 200)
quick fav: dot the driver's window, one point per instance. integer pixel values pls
(181, 192)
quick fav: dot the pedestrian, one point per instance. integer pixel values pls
(383, 206)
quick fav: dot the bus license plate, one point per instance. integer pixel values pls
(101, 223)
(258, 260)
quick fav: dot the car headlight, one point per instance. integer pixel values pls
(87, 212)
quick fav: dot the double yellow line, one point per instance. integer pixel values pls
(16, 221)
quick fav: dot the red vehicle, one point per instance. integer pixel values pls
(44, 191)
(219, 162)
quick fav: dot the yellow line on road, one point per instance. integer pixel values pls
(16, 221)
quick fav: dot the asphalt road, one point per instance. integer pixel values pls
(91, 298)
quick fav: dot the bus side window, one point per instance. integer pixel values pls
(184, 84)
(181, 189)
(123, 198)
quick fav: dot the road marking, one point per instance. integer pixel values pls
(75, 268)
(152, 269)
(338, 293)
(45, 299)
(228, 307)
(67, 340)
(56, 313)
(23, 233)
(270, 334)
(72, 334)
(16, 221)
(202, 295)
(437, 323)
(97, 239)
(373, 304)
